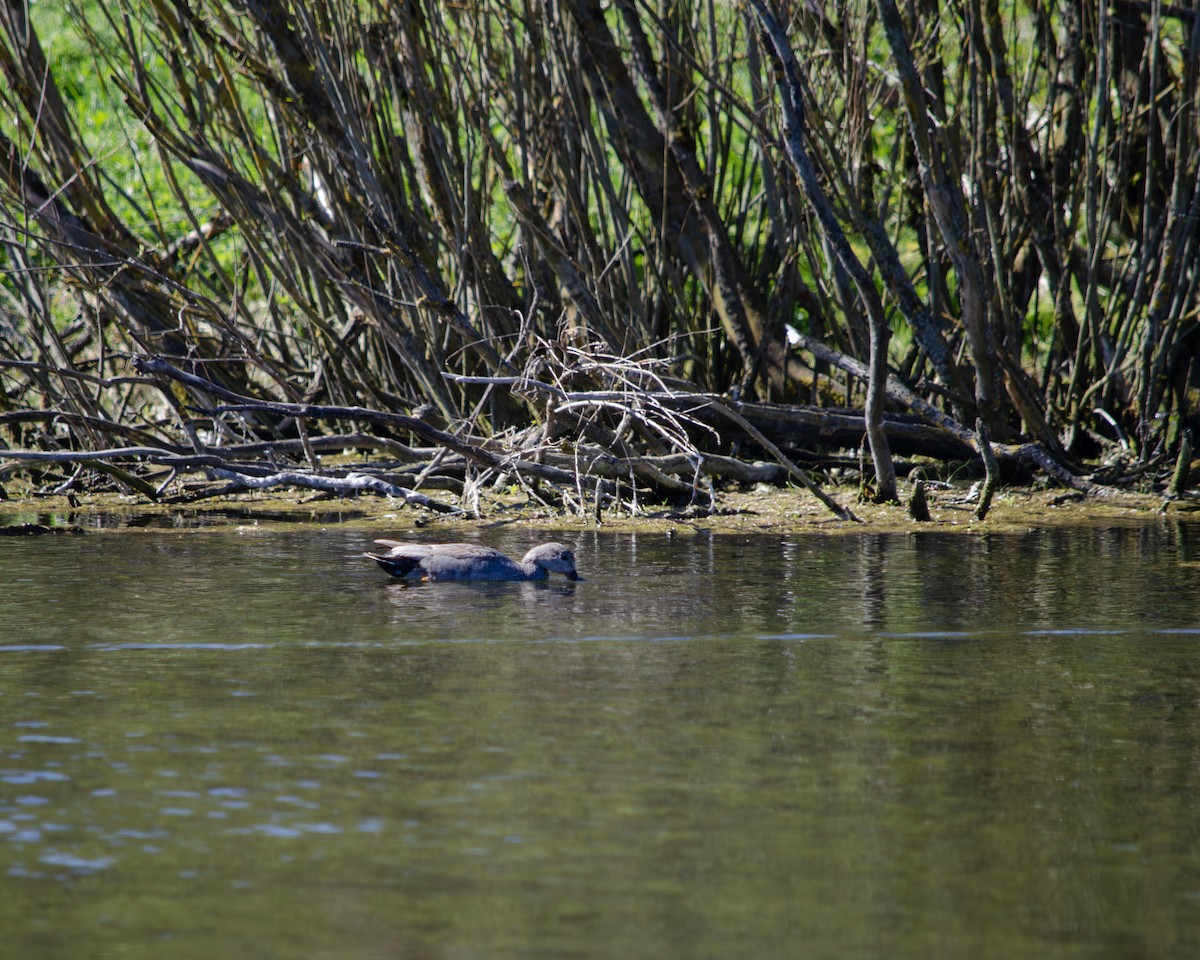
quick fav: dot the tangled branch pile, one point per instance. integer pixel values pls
(640, 241)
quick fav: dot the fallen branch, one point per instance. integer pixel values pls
(480, 454)
(801, 426)
(692, 402)
(1029, 453)
(153, 455)
(350, 484)
(247, 475)
(97, 424)
(475, 452)
(842, 513)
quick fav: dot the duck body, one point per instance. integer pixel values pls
(469, 561)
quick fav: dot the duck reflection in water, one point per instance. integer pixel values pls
(468, 561)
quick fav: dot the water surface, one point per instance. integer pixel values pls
(254, 743)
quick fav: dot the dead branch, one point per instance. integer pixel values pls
(1031, 454)
(692, 402)
(349, 485)
(251, 476)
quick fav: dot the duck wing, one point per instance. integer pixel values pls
(468, 561)
(445, 561)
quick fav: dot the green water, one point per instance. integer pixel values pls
(254, 744)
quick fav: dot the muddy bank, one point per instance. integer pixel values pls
(762, 510)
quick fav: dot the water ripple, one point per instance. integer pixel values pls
(32, 648)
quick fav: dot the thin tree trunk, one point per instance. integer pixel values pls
(794, 136)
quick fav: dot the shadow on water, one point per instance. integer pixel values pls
(214, 518)
(856, 746)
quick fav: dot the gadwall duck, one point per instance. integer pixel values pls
(467, 561)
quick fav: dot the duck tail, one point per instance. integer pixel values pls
(396, 566)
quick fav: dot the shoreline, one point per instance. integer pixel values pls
(1013, 510)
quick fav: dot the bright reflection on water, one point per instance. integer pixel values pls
(256, 744)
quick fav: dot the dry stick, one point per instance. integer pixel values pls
(475, 452)
(97, 459)
(123, 477)
(1025, 452)
(930, 432)
(340, 441)
(701, 401)
(842, 513)
(642, 466)
(96, 424)
(33, 365)
(349, 484)
(151, 454)
(337, 441)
